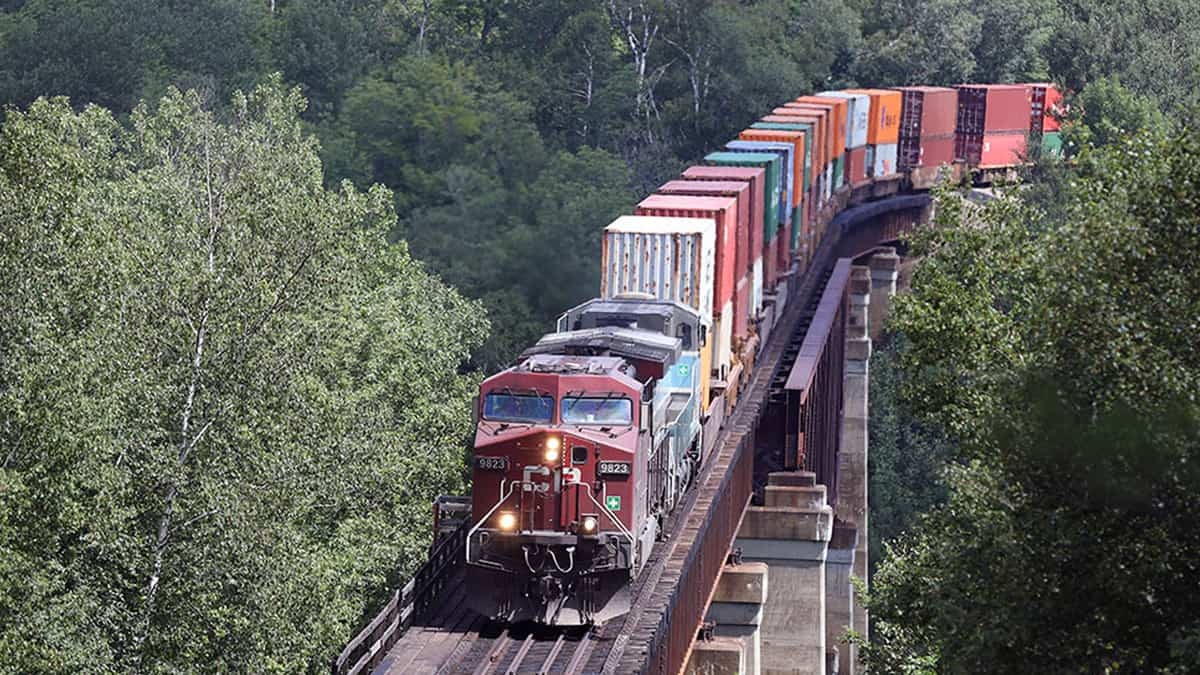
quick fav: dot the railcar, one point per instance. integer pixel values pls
(587, 444)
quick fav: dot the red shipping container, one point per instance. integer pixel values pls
(1046, 107)
(757, 179)
(993, 107)
(999, 150)
(743, 264)
(856, 165)
(783, 252)
(723, 210)
(928, 116)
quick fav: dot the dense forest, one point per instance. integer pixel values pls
(255, 257)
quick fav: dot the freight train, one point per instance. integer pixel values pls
(586, 444)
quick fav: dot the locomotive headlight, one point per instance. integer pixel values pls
(507, 521)
(552, 447)
(588, 524)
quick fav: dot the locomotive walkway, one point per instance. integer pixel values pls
(755, 574)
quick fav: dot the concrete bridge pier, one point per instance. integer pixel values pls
(791, 534)
(737, 611)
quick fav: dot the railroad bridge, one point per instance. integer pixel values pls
(755, 576)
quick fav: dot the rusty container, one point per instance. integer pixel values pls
(743, 270)
(667, 258)
(756, 178)
(928, 116)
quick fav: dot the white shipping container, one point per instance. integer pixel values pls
(667, 258)
(885, 159)
(756, 290)
(858, 116)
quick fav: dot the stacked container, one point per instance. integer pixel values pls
(785, 152)
(928, 118)
(812, 196)
(993, 123)
(858, 116)
(754, 179)
(1045, 109)
(836, 110)
(722, 211)
(883, 130)
(772, 191)
(822, 121)
(787, 241)
(743, 271)
(667, 258)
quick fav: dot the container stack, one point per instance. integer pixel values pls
(836, 110)
(810, 177)
(883, 130)
(788, 239)
(1045, 112)
(927, 123)
(755, 181)
(772, 166)
(993, 124)
(858, 116)
(743, 272)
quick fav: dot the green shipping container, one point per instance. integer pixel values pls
(839, 171)
(1052, 144)
(773, 166)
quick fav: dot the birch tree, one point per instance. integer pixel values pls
(225, 401)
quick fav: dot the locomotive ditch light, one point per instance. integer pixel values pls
(589, 524)
(552, 447)
(507, 521)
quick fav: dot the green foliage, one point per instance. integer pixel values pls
(1059, 352)
(223, 400)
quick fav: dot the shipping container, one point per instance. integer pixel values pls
(772, 164)
(993, 108)
(813, 196)
(756, 178)
(834, 110)
(668, 259)
(928, 111)
(724, 212)
(881, 160)
(798, 139)
(856, 165)
(785, 152)
(858, 116)
(884, 124)
(743, 270)
(1046, 108)
(822, 118)
(1052, 144)
(928, 116)
(1000, 150)
(840, 115)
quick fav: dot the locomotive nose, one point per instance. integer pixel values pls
(547, 588)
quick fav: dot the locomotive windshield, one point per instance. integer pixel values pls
(597, 410)
(507, 407)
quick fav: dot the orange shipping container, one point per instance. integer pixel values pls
(796, 138)
(841, 108)
(820, 153)
(884, 125)
(824, 114)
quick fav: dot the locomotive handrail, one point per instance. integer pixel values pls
(503, 498)
(368, 648)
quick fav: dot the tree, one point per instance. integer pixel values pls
(1059, 353)
(225, 403)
